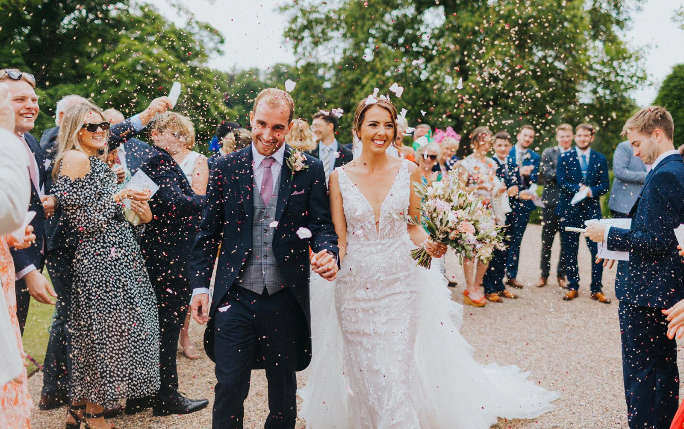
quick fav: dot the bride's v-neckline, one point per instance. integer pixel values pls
(382, 204)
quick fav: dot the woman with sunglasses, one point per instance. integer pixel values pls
(478, 173)
(112, 322)
(427, 159)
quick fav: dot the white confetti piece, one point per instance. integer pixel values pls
(303, 233)
(337, 112)
(224, 309)
(397, 89)
(273, 224)
(459, 85)
(290, 85)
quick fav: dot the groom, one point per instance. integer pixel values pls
(265, 211)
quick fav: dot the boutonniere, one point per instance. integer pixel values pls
(527, 155)
(296, 162)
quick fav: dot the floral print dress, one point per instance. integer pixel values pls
(112, 321)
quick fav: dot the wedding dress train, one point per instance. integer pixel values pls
(387, 351)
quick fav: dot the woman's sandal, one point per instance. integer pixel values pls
(467, 300)
(73, 411)
(87, 416)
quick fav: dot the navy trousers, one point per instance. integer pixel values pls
(550, 226)
(493, 278)
(649, 367)
(517, 221)
(570, 246)
(55, 367)
(23, 301)
(251, 330)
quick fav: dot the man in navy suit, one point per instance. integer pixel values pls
(28, 263)
(655, 278)
(329, 151)
(265, 216)
(60, 249)
(523, 165)
(578, 170)
(493, 280)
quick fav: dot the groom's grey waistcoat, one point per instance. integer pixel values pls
(261, 270)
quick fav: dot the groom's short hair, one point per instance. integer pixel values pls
(275, 96)
(648, 119)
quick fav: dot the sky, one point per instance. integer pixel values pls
(253, 30)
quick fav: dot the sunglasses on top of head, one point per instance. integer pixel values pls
(93, 127)
(431, 157)
(15, 74)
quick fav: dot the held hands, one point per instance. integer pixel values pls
(675, 317)
(324, 264)
(436, 250)
(133, 195)
(49, 204)
(199, 308)
(142, 209)
(28, 239)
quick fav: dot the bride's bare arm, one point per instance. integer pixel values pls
(416, 232)
(337, 213)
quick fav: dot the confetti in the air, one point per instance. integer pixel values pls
(290, 85)
(397, 89)
(303, 233)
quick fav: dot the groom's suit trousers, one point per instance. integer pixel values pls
(649, 365)
(251, 328)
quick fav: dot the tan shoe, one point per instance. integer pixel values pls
(493, 297)
(541, 282)
(514, 283)
(570, 295)
(600, 297)
(508, 294)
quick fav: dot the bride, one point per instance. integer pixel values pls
(387, 352)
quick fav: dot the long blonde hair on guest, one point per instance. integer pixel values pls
(300, 136)
(71, 124)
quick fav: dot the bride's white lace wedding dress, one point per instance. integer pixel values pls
(387, 352)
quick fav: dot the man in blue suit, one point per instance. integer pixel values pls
(630, 173)
(260, 315)
(655, 278)
(523, 165)
(583, 170)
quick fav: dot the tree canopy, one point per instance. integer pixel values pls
(467, 63)
(671, 97)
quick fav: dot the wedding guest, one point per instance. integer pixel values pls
(523, 165)
(421, 130)
(196, 170)
(550, 221)
(448, 146)
(329, 151)
(300, 136)
(165, 246)
(655, 280)
(60, 249)
(224, 141)
(29, 262)
(111, 296)
(493, 278)
(629, 175)
(581, 170)
(478, 173)
(427, 159)
(406, 152)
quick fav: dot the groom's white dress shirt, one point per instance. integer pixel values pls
(15, 182)
(258, 169)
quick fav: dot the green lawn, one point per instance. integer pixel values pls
(36, 332)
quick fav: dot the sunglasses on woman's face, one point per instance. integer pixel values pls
(431, 157)
(92, 128)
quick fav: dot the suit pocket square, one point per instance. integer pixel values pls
(295, 193)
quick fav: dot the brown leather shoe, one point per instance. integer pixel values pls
(514, 283)
(572, 294)
(541, 282)
(508, 294)
(600, 297)
(493, 297)
(562, 282)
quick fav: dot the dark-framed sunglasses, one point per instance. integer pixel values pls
(15, 74)
(92, 128)
(431, 157)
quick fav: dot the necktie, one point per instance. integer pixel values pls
(584, 166)
(267, 180)
(328, 162)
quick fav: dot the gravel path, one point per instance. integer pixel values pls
(570, 347)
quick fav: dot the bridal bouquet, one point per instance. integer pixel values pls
(457, 218)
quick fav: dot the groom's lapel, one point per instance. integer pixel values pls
(285, 184)
(246, 183)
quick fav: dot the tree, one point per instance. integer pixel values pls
(466, 63)
(671, 97)
(120, 54)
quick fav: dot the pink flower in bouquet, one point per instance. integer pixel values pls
(453, 235)
(466, 227)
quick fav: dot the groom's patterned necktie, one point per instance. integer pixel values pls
(266, 190)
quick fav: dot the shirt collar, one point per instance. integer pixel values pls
(580, 152)
(519, 148)
(563, 150)
(277, 156)
(333, 146)
(663, 156)
(501, 161)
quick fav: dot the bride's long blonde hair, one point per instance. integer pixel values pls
(67, 139)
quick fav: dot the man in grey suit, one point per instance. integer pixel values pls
(551, 221)
(630, 173)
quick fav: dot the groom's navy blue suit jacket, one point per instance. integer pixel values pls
(656, 271)
(302, 203)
